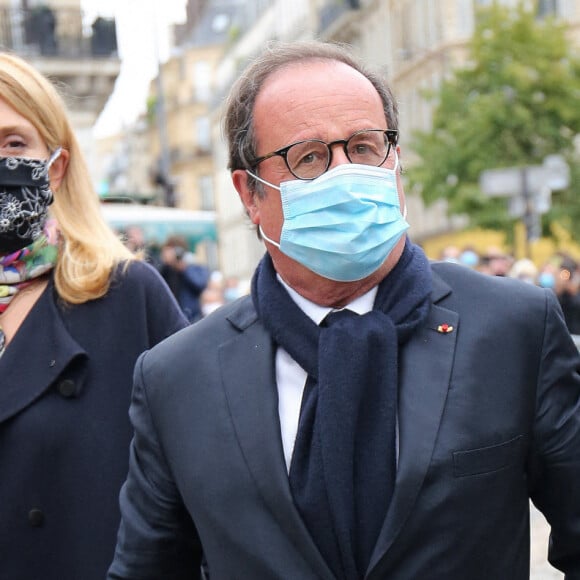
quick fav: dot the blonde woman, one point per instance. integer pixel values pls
(76, 309)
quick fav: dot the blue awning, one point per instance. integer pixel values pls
(158, 223)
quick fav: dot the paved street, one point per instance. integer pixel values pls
(540, 569)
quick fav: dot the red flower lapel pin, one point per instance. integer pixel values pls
(445, 328)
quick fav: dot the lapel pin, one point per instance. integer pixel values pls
(445, 328)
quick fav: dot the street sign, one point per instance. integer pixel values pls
(542, 200)
(501, 182)
(528, 189)
(558, 172)
(539, 203)
(553, 174)
(516, 206)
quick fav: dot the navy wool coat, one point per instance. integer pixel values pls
(65, 388)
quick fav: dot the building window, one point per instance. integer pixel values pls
(203, 133)
(182, 67)
(202, 81)
(205, 185)
(547, 8)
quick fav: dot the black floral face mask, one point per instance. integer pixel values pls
(24, 199)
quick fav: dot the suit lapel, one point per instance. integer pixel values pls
(426, 364)
(248, 371)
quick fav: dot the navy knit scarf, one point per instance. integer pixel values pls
(343, 465)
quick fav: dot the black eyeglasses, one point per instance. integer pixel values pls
(311, 158)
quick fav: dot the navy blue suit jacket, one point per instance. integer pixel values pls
(65, 388)
(489, 416)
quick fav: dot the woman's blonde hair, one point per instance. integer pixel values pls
(89, 249)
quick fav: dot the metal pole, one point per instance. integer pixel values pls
(528, 211)
(164, 169)
(169, 197)
(18, 10)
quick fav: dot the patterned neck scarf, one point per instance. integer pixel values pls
(19, 269)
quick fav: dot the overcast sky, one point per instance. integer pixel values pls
(142, 37)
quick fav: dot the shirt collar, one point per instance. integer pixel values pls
(317, 313)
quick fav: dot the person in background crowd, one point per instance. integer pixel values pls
(567, 288)
(134, 239)
(186, 278)
(525, 270)
(76, 309)
(213, 295)
(547, 275)
(232, 289)
(450, 254)
(364, 413)
(469, 257)
(495, 262)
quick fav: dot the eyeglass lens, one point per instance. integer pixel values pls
(310, 159)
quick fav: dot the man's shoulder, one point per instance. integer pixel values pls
(481, 295)
(461, 277)
(221, 325)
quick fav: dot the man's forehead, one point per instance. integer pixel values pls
(311, 68)
(315, 100)
(316, 82)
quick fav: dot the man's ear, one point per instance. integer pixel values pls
(247, 195)
(58, 169)
(400, 188)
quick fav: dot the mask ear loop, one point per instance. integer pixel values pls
(395, 170)
(396, 159)
(55, 155)
(259, 226)
(257, 178)
(267, 238)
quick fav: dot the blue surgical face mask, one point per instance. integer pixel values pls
(342, 225)
(469, 258)
(546, 280)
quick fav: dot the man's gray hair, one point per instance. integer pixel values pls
(239, 115)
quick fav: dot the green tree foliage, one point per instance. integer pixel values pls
(516, 101)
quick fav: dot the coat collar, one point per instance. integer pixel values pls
(38, 354)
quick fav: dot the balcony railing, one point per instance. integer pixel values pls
(56, 32)
(332, 10)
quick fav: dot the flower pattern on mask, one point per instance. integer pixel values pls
(24, 199)
(24, 216)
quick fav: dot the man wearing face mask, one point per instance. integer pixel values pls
(364, 413)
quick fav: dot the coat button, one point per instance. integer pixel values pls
(66, 388)
(36, 518)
